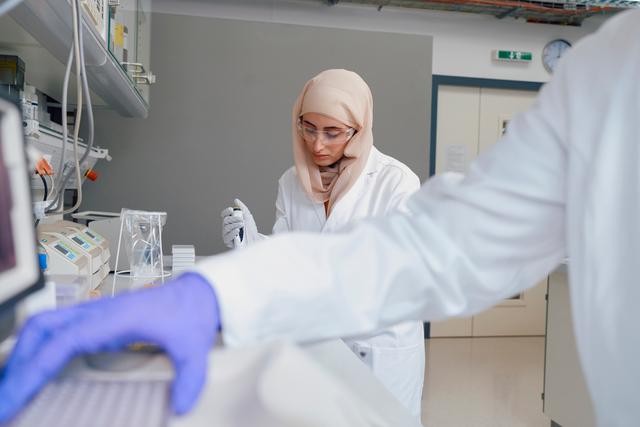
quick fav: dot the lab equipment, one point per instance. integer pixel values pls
(42, 257)
(98, 258)
(141, 234)
(49, 143)
(70, 289)
(106, 225)
(30, 111)
(86, 402)
(63, 257)
(91, 235)
(239, 239)
(12, 71)
(110, 324)
(98, 10)
(183, 257)
(19, 273)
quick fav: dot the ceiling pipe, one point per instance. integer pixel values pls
(531, 7)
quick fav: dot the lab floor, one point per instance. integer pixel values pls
(482, 382)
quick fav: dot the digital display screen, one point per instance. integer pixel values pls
(88, 233)
(77, 240)
(61, 249)
(7, 247)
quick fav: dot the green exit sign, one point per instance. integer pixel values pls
(512, 55)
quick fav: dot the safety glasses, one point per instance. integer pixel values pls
(329, 137)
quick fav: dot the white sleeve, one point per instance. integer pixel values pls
(282, 219)
(282, 222)
(466, 243)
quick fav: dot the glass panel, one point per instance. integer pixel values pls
(129, 40)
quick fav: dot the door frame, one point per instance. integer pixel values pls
(438, 80)
(441, 80)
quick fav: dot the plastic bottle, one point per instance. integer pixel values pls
(43, 258)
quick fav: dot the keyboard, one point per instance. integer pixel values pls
(77, 402)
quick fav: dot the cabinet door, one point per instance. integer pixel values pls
(457, 144)
(566, 397)
(470, 120)
(457, 128)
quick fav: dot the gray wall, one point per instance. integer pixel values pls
(219, 125)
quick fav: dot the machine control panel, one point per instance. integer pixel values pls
(65, 250)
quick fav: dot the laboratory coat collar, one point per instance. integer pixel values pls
(342, 211)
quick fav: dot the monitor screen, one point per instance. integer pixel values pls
(19, 273)
(7, 247)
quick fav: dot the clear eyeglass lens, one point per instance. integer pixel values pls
(330, 136)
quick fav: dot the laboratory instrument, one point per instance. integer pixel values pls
(141, 403)
(79, 241)
(75, 242)
(12, 71)
(106, 225)
(63, 257)
(238, 241)
(19, 273)
(91, 235)
(183, 257)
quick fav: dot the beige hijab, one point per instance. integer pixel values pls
(344, 96)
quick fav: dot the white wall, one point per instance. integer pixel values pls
(462, 42)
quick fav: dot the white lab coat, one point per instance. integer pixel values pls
(396, 353)
(565, 180)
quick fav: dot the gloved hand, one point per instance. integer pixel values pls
(231, 225)
(182, 317)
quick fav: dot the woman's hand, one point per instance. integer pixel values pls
(232, 225)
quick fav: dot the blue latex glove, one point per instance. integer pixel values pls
(182, 317)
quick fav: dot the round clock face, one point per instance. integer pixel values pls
(552, 53)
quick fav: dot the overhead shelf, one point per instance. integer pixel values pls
(50, 23)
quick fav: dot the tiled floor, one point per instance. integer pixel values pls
(484, 382)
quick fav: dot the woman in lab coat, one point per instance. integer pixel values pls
(339, 177)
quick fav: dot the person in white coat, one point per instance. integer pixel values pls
(564, 181)
(339, 178)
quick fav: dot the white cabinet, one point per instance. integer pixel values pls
(566, 398)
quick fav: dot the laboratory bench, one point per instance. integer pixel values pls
(272, 384)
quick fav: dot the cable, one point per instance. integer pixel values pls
(65, 128)
(8, 5)
(52, 183)
(80, 69)
(87, 94)
(46, 190)
(78, 118)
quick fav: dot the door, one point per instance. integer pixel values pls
(470, 120)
